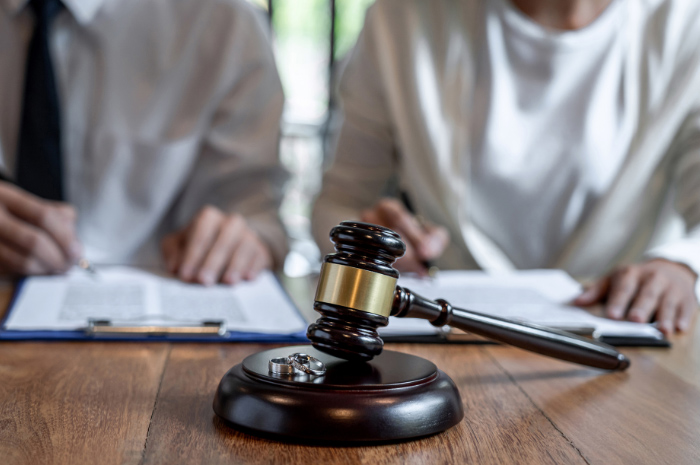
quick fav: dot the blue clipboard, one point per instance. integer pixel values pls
(81, 335)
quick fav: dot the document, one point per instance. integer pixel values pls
(535, 296)
(129, 296)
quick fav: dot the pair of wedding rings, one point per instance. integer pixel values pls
(297, 363)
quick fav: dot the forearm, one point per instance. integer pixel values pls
(685, 251)
(686, 185)
(364, 162)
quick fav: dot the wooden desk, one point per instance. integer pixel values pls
(132, 403)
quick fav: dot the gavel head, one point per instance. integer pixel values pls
(356, 290)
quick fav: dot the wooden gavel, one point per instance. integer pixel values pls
(357, 293)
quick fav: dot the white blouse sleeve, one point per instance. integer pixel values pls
(364, 156)
(687, 200)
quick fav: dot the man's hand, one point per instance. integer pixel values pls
(36, 236)
(215, 247)
(423, 241)
(657, 288)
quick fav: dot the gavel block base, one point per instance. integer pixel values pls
(394, 397)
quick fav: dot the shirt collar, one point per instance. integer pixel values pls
(83, 10)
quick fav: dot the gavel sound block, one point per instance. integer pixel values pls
(367, 394)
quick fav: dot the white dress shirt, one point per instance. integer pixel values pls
(536, 148)
(166, 106)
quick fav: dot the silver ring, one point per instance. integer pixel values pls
(307, 364)
(280, 366)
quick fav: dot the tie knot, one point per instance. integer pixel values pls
(45, 10)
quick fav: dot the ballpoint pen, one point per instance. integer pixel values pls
(85, 264)
(429, 266)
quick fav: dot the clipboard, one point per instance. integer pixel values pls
(106, 330)
(522, 295)
(456, 336)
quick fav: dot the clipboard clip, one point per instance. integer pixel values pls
(98, 327)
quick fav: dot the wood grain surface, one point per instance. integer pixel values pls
(648, 414)
(134, 403)
(501, 426)
(77, 402)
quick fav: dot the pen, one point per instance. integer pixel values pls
(427, 264)
(85, 264)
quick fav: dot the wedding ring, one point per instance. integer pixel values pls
(280, 366)
(307, 364)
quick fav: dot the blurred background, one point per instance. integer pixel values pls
(310, 39)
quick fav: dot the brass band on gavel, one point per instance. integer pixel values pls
(355, 288)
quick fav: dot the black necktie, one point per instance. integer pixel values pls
(39, 150)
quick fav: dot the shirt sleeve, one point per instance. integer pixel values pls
(686, 174)
(364, 153)
(238, 168)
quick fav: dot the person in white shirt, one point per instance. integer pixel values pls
(169, 126)
(531, 134)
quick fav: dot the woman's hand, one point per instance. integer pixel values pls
(657, 289)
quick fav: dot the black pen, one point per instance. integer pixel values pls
(429, 266)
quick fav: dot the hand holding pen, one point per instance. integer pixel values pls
(424, 241)
(37, 236)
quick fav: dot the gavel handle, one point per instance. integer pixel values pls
(535, 338)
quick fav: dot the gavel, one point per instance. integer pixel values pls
(357, 293)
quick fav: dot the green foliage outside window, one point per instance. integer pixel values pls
(305, 19)
(349, 18)
(302, 41)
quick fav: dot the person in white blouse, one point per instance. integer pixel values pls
(531, 134)
(169, 128)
